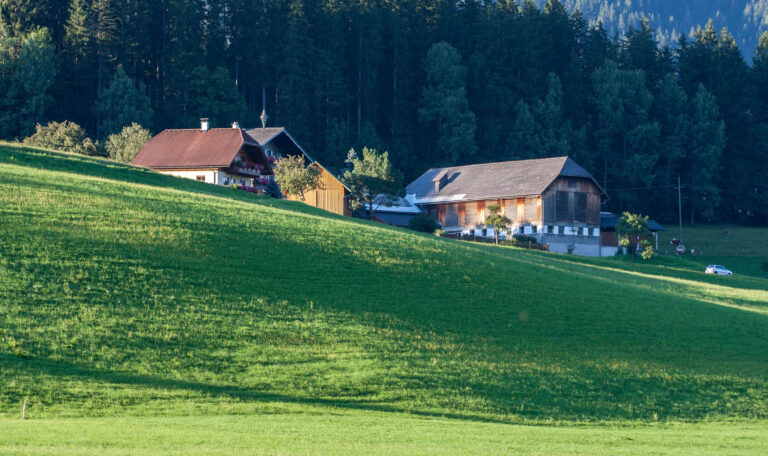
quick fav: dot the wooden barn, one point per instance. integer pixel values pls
(554, 200)
(333, 196)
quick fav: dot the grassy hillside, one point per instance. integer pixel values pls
(126, 293)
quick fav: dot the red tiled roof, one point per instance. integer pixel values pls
(193, 148)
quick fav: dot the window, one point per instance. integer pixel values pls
(485, 232)
(580, 210)
(200, 178)
(560, 230)
(226, 181)
(562, 209)
(534, 229)
(580, 231)
(551, 229)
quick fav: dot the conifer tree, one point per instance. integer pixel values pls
(627, 141)
(444, 106)
(214, 95)
(27, 70)
(670, 109)
(76, 91)
(122, 104)
(707, 141)
(295, 86)
(19, 16)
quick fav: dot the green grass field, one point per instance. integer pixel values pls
(212, 321)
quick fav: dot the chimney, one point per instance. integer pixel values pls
(203, 124)
(236, 125)
(440, 180)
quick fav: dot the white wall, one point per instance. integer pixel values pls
(210, 175)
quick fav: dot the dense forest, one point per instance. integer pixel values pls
(745, 19)
(434, 82)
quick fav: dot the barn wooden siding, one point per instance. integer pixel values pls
(332, 196)
(452, 215)
(572, 200)
(567, 200)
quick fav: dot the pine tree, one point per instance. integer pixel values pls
(626, 139)
(28, 71)
(122, 104)
(77, 31)
(671, 111)
(760, 77)
(213, 94)
(104, 30)
(295, 85)
(444, 106)
(19, 16)
(76, 90)
(707, 141)
(523, 141)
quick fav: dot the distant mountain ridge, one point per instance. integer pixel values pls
(745, 19)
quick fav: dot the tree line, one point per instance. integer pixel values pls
(434, 82)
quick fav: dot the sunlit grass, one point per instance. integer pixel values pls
(127, 293)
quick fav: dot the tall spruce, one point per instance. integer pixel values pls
(706, 144)
(626, 138)
(444, 106)
(295, 85)
(27, 71)
(122, 104)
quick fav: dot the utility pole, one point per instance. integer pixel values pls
(680, 208)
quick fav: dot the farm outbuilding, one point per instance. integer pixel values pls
(332, 196)
(609, 239)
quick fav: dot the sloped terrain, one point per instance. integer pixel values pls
(123, 292)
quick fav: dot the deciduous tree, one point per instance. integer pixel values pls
(124, 146)
(65, 136)
(295, 177)
(632, 225)
(373, 180)
(496, 218)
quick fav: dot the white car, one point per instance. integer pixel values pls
(718, 270)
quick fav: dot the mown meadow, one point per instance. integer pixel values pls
(125, 295)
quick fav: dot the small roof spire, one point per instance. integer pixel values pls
(264, 115)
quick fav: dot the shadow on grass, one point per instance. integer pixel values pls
(61, 369)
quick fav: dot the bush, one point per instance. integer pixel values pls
(648, 251)
(523, 238)
(423, 223)
(124, 146)
(273, 190)
(65, 136)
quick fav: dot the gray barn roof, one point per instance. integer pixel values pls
(495, 180)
